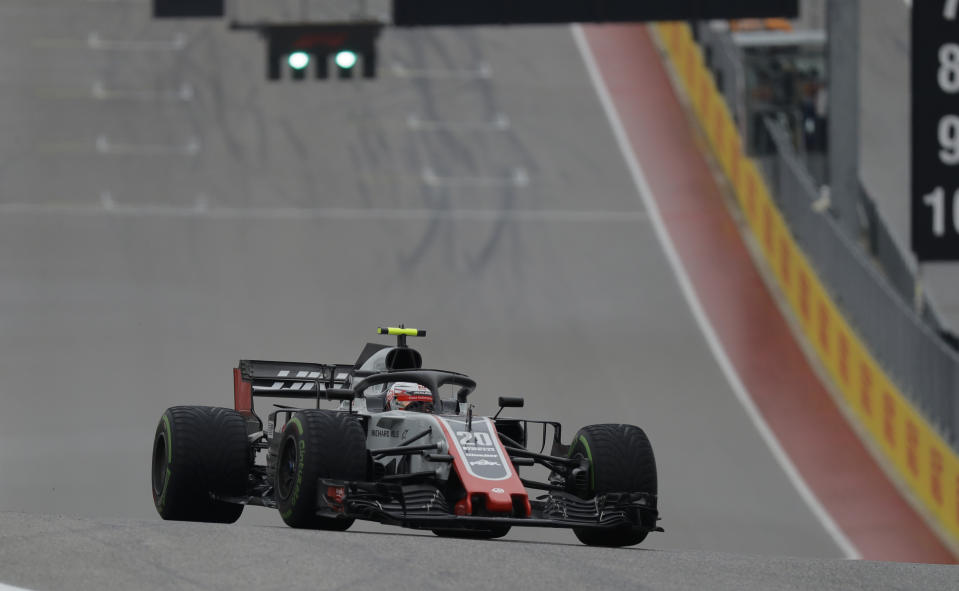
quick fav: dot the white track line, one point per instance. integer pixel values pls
(4, 587)
(105, 145)
(519, 178)
(101, 92)
(108, 207)
(96, 42)
(500, 122)
(482, 71)
(729, 371)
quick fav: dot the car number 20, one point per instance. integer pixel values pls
(468, 438)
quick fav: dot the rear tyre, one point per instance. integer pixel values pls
(621, 460)
(199, 451)
(474, 534)
(317, 444)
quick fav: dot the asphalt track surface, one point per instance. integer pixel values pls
(165, 212)
(162, 555)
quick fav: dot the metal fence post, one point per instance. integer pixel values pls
(842, 18)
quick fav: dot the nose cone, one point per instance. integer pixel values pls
(499, 501)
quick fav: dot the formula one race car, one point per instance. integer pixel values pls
(396, 451)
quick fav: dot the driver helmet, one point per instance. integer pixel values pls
(409, 396)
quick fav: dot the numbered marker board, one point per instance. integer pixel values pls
(935, 129)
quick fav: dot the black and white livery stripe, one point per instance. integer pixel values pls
(479, 447)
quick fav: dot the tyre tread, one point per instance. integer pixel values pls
(210, 454)
(336, 449)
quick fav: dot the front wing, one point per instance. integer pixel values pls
(425, 507)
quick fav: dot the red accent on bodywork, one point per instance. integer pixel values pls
(496, 502)
(242, 394)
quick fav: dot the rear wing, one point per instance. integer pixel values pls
(284, 379)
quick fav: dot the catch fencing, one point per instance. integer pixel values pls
(896, 377)
(873, 282)
(725, 60)
(914, 356)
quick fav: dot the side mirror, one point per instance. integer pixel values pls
(511, 402)
(339, 394)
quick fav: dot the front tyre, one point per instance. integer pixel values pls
(621, 460)
(317, 444)
(199, 451)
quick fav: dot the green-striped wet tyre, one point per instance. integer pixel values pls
(621, 460)
(199, 451)
(317, 444)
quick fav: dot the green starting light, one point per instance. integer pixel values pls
(345, 59)
(299, 60)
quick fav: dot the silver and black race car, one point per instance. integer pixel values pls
(395, 450)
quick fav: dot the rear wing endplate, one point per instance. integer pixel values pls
(284, 379)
